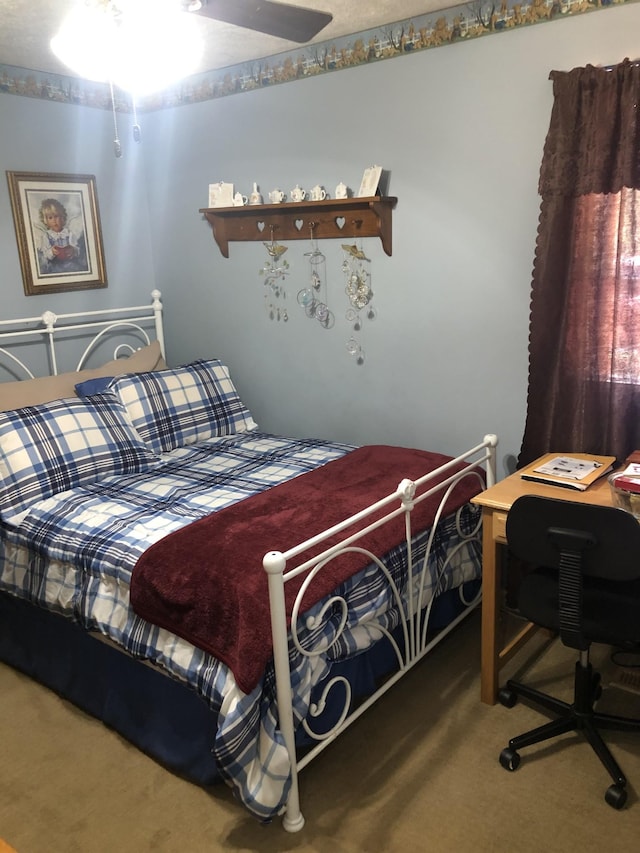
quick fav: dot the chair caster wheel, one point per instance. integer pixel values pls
(616, 796)
(510, 759)
(507, 697)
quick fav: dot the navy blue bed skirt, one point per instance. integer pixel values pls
(160, 715)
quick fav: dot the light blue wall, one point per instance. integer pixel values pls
(39, 136)
(460, 128)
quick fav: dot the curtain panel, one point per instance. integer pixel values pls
(584, 341)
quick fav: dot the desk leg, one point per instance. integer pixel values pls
(490, 611)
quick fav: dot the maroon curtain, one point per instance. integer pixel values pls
(584, 345)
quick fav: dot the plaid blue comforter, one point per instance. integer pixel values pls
(74, 554)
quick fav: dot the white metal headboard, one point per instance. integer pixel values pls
(51, 328)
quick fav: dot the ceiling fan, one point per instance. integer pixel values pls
(294, 23)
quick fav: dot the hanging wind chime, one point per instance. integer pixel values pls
(359, 294)
(313, 298)
(275, 269)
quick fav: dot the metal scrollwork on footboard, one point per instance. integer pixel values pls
(411, 587)
(337, 609)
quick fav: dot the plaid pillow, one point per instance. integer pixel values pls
(173, 408)
(57, 446)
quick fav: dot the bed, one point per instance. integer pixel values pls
(228, 600)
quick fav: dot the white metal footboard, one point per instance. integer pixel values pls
(415, 611)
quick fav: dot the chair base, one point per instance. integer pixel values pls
(580, 717)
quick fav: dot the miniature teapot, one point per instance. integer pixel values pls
(341, 190)
(239, 200)
(276, 196)
(255, 197)
(318, 193)
(298, 194)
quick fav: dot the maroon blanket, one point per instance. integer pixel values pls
(205, 582)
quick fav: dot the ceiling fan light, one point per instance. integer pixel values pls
(142, 47)
(157, 47)
(85, 42)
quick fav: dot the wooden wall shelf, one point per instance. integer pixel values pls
(336, 218)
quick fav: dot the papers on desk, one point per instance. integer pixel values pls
(577, 471)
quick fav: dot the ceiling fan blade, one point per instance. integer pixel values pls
(293, 23)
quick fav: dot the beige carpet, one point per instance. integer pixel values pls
(418, 772)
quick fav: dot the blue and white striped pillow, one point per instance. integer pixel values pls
(57, 446)
(173, 408)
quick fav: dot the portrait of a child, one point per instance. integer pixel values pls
(59, 248)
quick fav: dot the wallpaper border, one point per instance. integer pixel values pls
(457, 24)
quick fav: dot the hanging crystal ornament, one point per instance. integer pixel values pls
(275, 269)
(359, 294)
(314, 297)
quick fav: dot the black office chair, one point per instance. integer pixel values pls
(586, 586)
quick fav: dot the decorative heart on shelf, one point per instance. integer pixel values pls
(260, 226)
(340, 220)
(299, 223)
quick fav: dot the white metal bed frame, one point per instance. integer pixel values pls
(415, 642)
(51, 328)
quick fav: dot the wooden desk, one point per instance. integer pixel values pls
(496, 503)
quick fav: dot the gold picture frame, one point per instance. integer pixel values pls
(57, 224)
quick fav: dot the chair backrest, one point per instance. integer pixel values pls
(606, 538)
(577, 540)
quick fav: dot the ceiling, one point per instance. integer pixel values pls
(27, 26)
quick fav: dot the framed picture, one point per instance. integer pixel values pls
(370, 180)
(57, 226)
(221, 195)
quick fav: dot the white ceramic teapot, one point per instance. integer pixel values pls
(276, 196)
(318, 193)
(342, 190)
(298, 194)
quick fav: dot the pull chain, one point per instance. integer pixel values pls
(117, 147)
(137, 135)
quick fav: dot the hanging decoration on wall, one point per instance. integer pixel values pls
(313, 298)
(359, 294)
(275, 270)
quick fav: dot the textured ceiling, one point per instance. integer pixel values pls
(26, 26)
